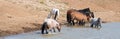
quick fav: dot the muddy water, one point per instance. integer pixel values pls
(108, 31)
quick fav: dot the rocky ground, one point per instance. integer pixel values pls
(19, 16)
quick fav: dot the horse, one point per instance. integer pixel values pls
(95, 22)
(68, 16)
(79, 17)
(87, 12)
(49, 25)
(54, 13)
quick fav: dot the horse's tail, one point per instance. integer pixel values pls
(44, 26)
(56, 14)
(68, 18)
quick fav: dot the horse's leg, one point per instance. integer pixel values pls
(88, 19)
(54, 29)
(44, 26)
(73, 22)
(56, 13)
(70, 21)
(42, 31)
(46, 31)
(58, 29)
(92, 14)
(96, 26)
(83, 23)
(80, 23)
(100, 25)
(68, 18)
(50, 29)
(91, 25)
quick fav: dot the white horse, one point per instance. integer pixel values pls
(54, 13)
(50, 24)
(95, 22)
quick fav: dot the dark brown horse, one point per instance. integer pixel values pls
(87, 12)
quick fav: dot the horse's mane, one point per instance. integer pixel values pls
(85, 10)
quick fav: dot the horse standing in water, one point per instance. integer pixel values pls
(85, 11)
(81, 18)
(95, 22)
(54, 13)
(49, 25)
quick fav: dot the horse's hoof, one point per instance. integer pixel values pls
(91, 26)
(46, 32)
(54, 31)
(42, 33)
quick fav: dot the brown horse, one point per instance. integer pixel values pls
(79, 17)
(69, 15)
(85, 11)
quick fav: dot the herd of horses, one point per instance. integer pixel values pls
(73, 17)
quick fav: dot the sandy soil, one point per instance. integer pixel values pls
(19, 16)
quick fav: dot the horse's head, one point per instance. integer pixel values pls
(59, 27)
(90, 15)
(99, 19)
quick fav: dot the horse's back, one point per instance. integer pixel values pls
(94, 20)
(78, 15)
(85, 10)
(51, 22)
(70, 11)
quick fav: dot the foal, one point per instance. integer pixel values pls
(95, 22)
(49, 25)
(54, 13)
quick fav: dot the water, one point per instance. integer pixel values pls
(108, 31)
